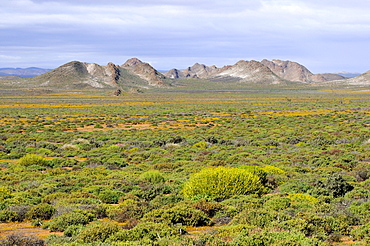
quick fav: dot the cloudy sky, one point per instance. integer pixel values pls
(323, 35)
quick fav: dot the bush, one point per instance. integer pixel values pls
(21, 240)
(110, 196)
(42, 211)
(337, 185)
(8, 216)
(148, 231)
(63, 221)
(274, 239)
(362, 233)
(33, 160)
(98, 232)
(152, 177)
(21, 210)
(128, 209)
(180, 214)
(222, 183)
(209, 208)
(73, 230)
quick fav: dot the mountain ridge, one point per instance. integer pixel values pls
(134, 74)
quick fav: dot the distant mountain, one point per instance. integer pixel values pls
(348, 75)
(23, 72)
(363, 79)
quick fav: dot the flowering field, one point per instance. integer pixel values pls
(222, 168)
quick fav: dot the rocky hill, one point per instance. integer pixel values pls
(77, 75)
(264, 72)
(199, 71)
(249, 72)
(294, 71)
(135, 74)
(363, 79)
(242, 71)
(144, 71)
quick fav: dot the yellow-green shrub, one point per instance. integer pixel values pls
(33, 159)
(222, 183)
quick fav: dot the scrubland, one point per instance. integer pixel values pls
(241, 167)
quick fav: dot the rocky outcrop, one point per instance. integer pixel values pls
(114, 73)
(145, 71)
(174, 74)
(199, 71)
(77, 74)
(250, 72)
(294, 71)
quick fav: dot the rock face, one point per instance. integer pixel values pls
(80, 74)
(294, 71)
(250, 72)
(144, 71)
(77, 74)
(199, 71)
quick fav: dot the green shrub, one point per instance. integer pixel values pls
(17, 239)
(33, 159)
(153, 177)
(222, 183)
(63, 221)
(209, 208)
(148, 231)
(73, 230)
(8, 216)
(110, 196)
(362, 233)
(128, 209)
(284, 238)
(337, 185)
(42, 211)
(98, 232)
(180, 214)
(52, 198)
(258, 171)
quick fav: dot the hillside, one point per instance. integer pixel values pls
(363, 79)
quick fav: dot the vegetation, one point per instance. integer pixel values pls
(252, 167)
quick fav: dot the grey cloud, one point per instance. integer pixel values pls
(181, 31)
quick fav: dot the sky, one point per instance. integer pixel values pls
(323, 35)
